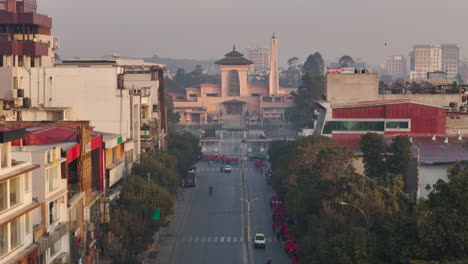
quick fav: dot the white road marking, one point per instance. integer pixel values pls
(195, 240)
(228, 239)
(209, 239)
(203, 240)
(221, 239)
(234, 239)
(215, 239)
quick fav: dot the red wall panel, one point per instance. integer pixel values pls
(424, 119)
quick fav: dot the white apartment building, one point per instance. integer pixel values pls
(426, 58)
(432, 58)
(16, 203)
(396, 66)
(260, 58)
(116, 99)
(50, 221)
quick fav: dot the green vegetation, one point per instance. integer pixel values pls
(151, 186)
(344, 217)
(311, 89)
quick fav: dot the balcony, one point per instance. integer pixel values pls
(25, 19)
(116, 172)
(24, 47)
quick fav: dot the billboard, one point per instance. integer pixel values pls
(340, 70)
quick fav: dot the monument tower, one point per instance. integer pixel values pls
(274, 76)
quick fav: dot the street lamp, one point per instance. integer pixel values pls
(248, 215)
(360, 210)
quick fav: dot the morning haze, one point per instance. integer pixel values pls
(207, 28)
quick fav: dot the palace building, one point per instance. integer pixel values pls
(236, 96)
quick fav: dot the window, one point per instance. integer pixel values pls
(193, 95)
(3, 196)
(3, 240)
(15, 191)
(397, 125)
(27, 178)
(346, 126)
(52, 176)
(212, 95)
(55, 249)
(27, 228)
(179, 98)
(15, 233)
(54, 211)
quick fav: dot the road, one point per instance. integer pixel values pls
(214, 229)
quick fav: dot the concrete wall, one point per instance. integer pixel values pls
(430, 174)
(457, 123)
(352, 88)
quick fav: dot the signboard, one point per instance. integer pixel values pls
(340, 70)
(157, 214)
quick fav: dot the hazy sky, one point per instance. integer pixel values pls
(202, 29)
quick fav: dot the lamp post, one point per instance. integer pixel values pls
(360, 210)
(248, 215)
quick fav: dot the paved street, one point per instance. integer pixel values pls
(208, 229)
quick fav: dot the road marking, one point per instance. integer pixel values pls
(203, 240)
(228, 239)
(221, 239)
(215, 239)
(209, 239)
(195, 240)
(234, 239)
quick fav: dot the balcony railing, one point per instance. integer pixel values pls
(23, 47)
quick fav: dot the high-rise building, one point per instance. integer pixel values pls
(450, 56)
(431, 58)
(25, 36)
(396, 66)
(259, 56)
(427, 58)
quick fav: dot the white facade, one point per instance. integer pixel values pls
(427, 58)
(50, 189)
(16, 204)
(396, 66)
(259, 56)
(84, 93)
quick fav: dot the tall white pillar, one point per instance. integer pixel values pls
(274, 76)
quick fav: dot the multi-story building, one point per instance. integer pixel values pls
(450, 57)
(260, 58)
(396, 66)
(50, 220)
(427, 58)
(432, 58)
(16, 202)
(25, 36)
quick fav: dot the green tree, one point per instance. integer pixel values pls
(401, 154)
(172, 116)
(132, 224)
(443, 217)
(371, 146)
(314, 65)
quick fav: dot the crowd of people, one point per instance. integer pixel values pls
(221, 159)
(280, 221)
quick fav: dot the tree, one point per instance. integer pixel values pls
(371, 146)
(132, 224)
(292, 76)
(172, 116)
(185, 147)
(314, 65)
(346, 61)
(401, 153)
(443, 217)
(180, 76)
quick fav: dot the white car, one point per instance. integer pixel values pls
(259, 240)
(227, 168)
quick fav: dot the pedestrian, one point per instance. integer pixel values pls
(273, 226)
(278, 235)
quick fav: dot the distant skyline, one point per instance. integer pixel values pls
(204, 29)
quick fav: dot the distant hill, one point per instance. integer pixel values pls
(188, 65)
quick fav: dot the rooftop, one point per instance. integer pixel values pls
(234, 58)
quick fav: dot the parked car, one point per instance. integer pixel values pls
(259, 240)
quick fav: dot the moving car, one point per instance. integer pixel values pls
(259, 240)
(227, 168)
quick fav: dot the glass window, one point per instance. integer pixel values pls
(15, 233)
(397, 124)
(3, 240)
(53, 212)
(55, 249)
(27, 228)
(3, 196)
(52, 175)
(331, 126)
(15, 191)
